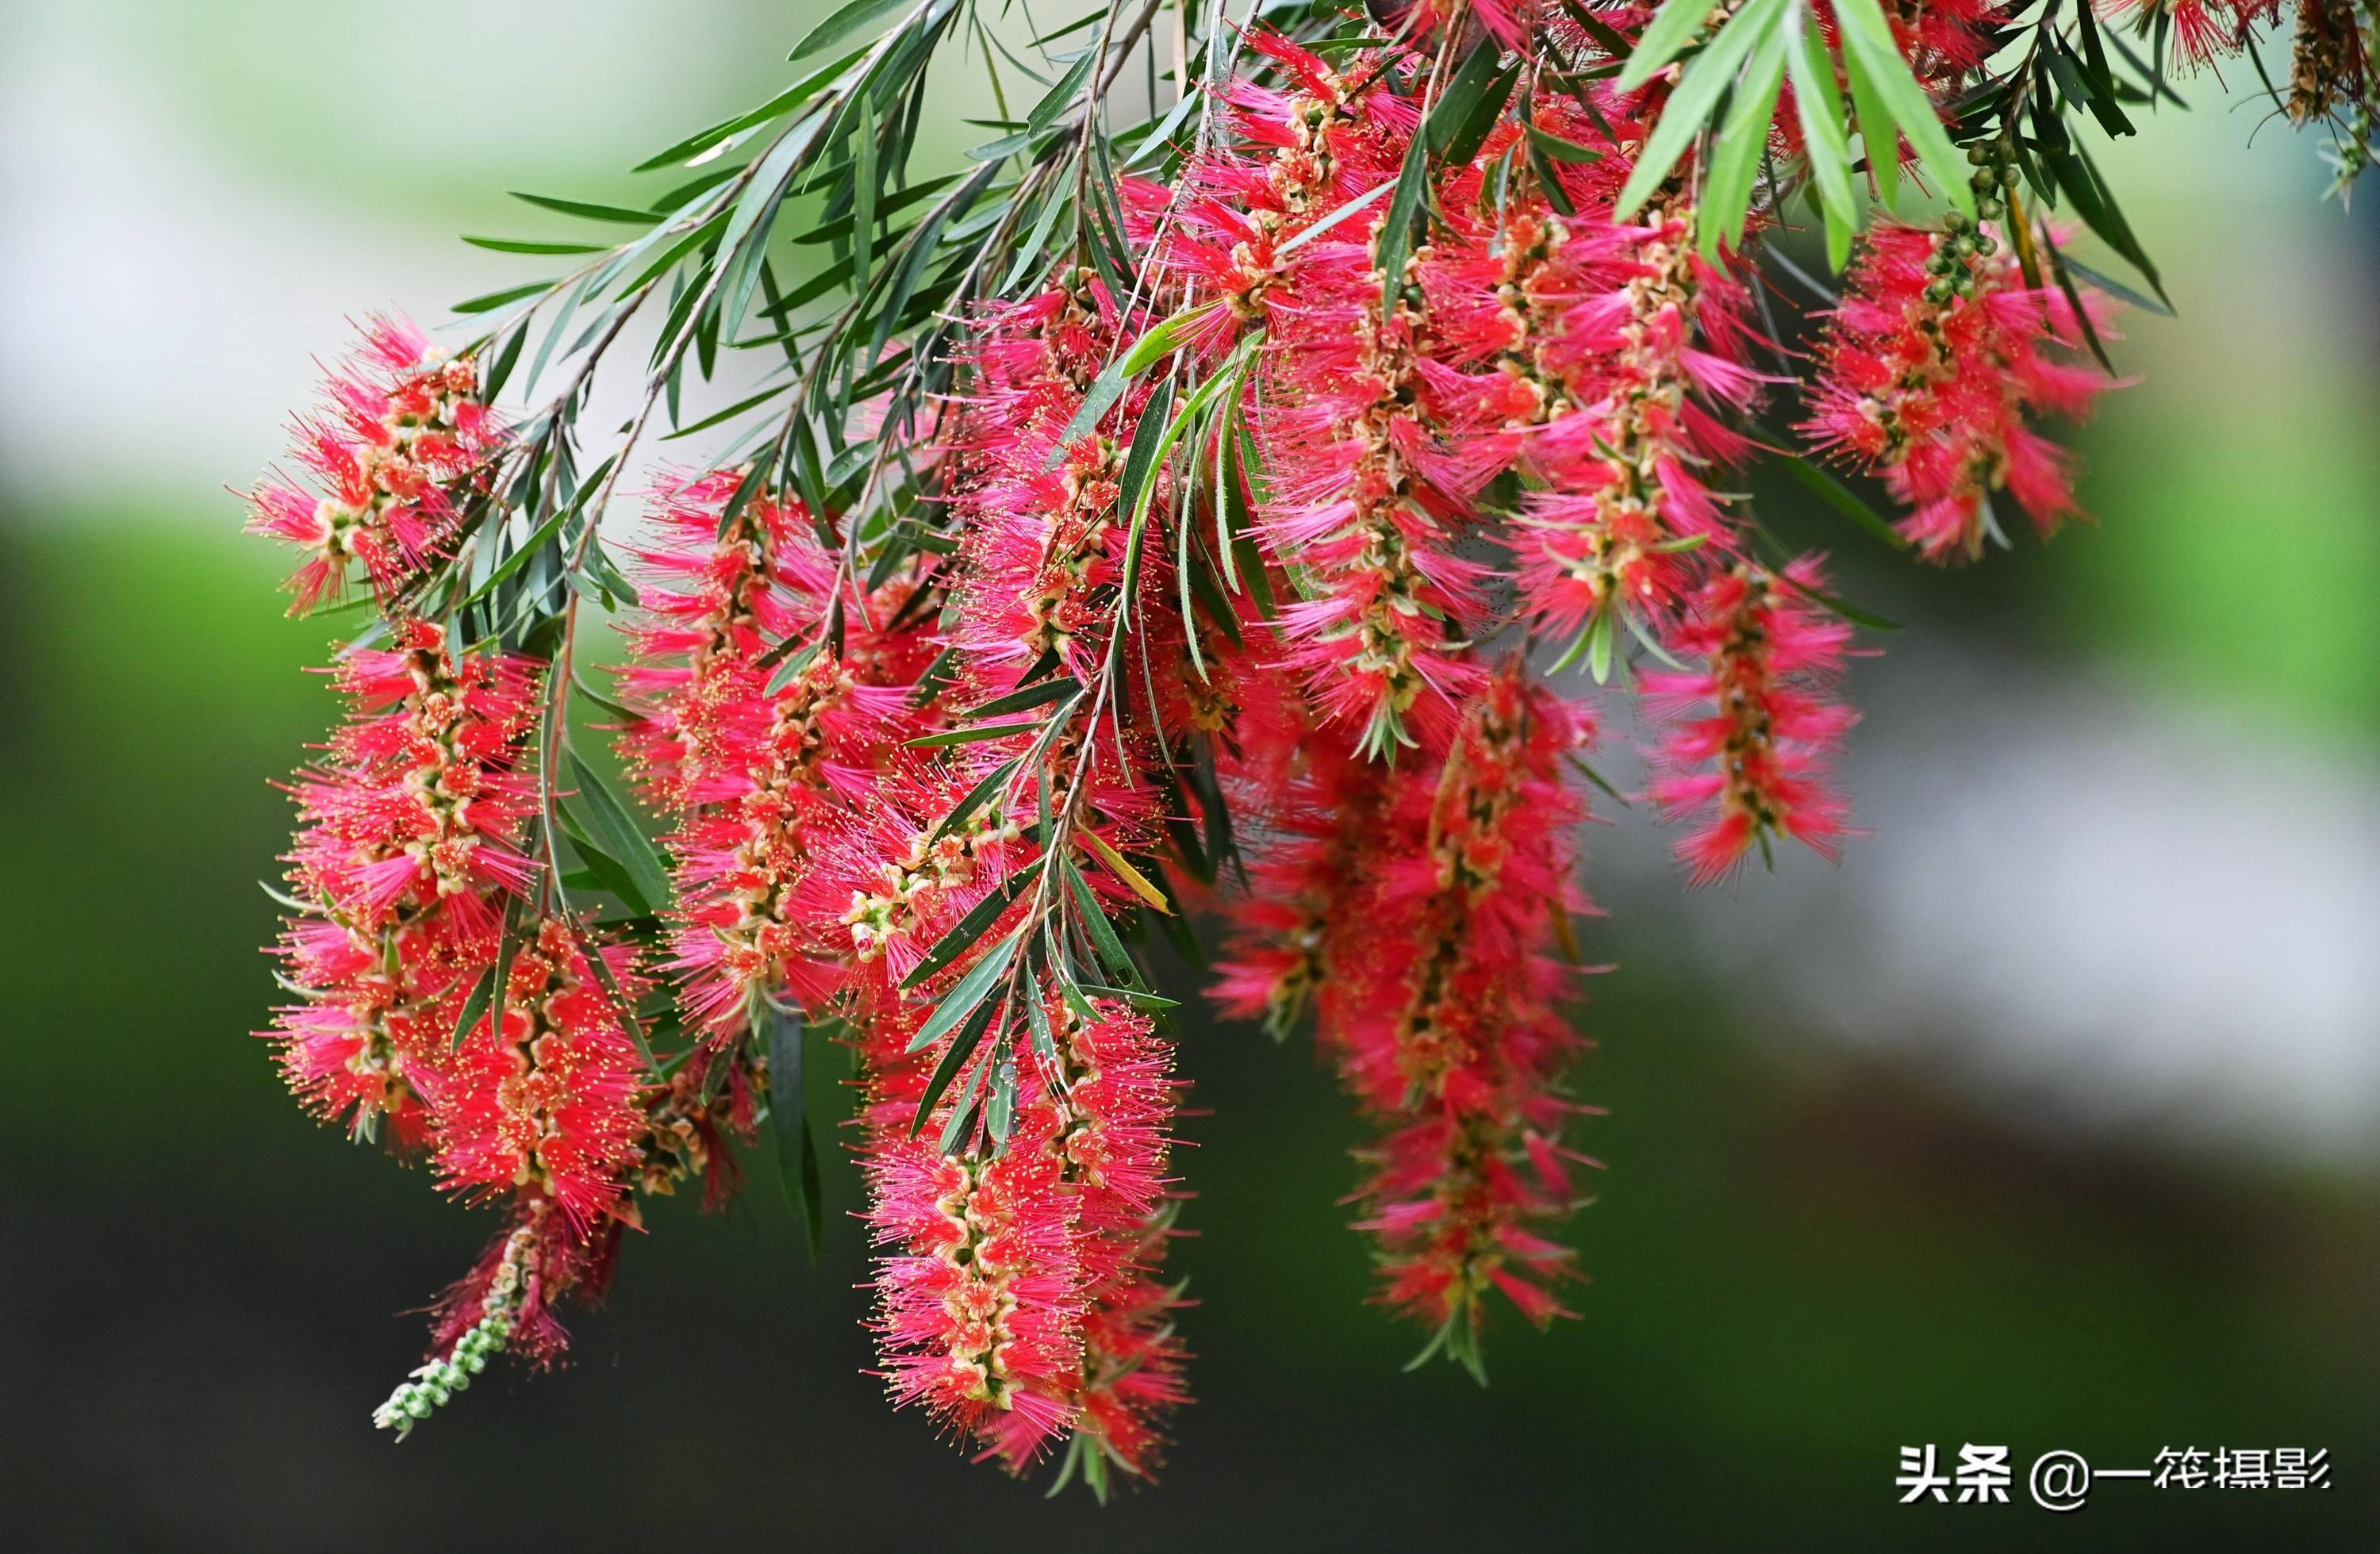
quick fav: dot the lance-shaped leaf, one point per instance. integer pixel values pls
(1871, 53)
(968, 993)
(1707, 76)
(789, 1116)
(1742, 139)
(975, 925)
(617, 833)
(1123, 870)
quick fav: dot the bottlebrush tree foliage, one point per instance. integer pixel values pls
(1218, 498)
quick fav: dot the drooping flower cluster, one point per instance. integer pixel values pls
(1231, 563)
(1752, 723)
(1930, 371)
(756, 760)
(498, 1050)
(401, 427)
(406, 854)
(1458, 1040)
(1018, 1292)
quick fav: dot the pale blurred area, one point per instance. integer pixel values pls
(2126, 868)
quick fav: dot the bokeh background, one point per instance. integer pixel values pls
(2051, 1118)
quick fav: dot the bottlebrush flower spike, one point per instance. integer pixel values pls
(1364, 447)
(403, 428)
(1118, 1097)
(2202, 30)
(1929, 373)
(1650, 332)
(1454, 1035)
(979, 1294)
(539, 1095)
(1750, 732)
(407, 845)
(755, 773)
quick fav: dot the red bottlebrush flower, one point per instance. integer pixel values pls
(1929, 371)
(1749, 732)
(1119, 1100)
(1310, 880)
(1365, 445)
(979, 1294)
(1456, 1039)
(754, 773)
(540, 1094)
(1017, 1296)
(409, 841)
(1650, 334)
(403, 428)
(2202, 30)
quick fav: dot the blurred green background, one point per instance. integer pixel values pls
(2050, 1119)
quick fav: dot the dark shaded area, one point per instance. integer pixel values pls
(1803, 1259)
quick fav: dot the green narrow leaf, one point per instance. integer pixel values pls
(919, 250)
(1038, 693)
(482, 992)
(588, 211)
(502, 371)
(2115, 288)
(975, 798)
(1708, 74)
(1818, 103)
(1662, 41)
(744, 242)
(1879, 139)
(1865, 32)
(515, 245)
(1141, 460)
(1395, 243)
(849, 22)
(1470, 106)
(789, 1114)
(2117, 231)
(1559, 150)
(617, 833)
(975, 735)
(495, 300)
(1742, 137)
(967, 993)
(2074, 300)
(599, 867)
(975, 925)
(1094, 923)
(969, 1038)
(729, 413)
(863, 196)
(1817, 479)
